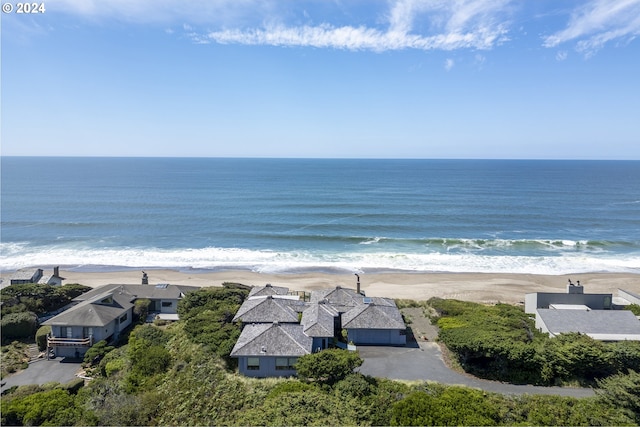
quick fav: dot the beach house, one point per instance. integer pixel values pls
(278, 328)
(599, 316)
(104, 312)
(24, 276)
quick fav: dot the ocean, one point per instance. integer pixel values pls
(326, 215)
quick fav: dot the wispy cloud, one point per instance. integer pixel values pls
(367, 24)
(448, 64)
(598, 22)
(451, 25)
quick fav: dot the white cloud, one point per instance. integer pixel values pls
(355, 38)
(448, 64)
(561, 55)
(597, 23)
(455, 25)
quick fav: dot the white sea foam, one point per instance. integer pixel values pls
(16, 256)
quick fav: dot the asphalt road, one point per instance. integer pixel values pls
(43, 371)
(424, 362)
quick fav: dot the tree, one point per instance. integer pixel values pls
(141, 309)
(327, 366)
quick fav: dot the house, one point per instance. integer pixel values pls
(102, 313)
(376, 322)
(321, 323)
(52, 279)
(574, 295)
(596, 315)
(101, 317)
(269, 309)
(278, 328)
(24, 276)
(267, 289)
(601, 325)
(271, 349)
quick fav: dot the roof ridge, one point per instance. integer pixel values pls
(276, 324)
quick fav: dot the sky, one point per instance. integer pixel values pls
(521, 79)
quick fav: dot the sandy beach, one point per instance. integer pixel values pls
(478, 287)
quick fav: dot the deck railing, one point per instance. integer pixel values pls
(69, 342)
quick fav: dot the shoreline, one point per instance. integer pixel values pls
(470, 286)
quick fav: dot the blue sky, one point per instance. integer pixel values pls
(542, 79)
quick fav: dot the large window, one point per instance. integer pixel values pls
(253, 363)
(285, 363)
(167, 303)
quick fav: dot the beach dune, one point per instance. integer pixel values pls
(478, 287)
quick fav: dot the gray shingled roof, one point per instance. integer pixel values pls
(94, 313)
(318, 320)
(373, 316)
(342, 299)
(593, 322)
(142, 291)
(269, 309)
(272, 339)
(268, 289)
(27, 274)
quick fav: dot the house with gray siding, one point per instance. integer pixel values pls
(271, 349)
(164, 297)
(320, 322)
(101, 317)
(278, 328)
(103, 312)
(375, 322)
(596, 315)
(24, 276)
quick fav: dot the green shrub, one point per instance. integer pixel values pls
(327, 366)
(449, 406)
(41, 337)
(52, 407)
(634, 308)
(96, 352)
(19, 325)
(38, 298)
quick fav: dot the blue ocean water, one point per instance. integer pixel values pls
(292, 215)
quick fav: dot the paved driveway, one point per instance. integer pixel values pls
(424, 362)
(43, 371)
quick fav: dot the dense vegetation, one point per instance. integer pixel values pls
(38, 299)
(500, 342)
(172, 376)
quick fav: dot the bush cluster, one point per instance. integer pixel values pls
(500, 342)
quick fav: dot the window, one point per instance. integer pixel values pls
(68, 332)
(285, 363)
(124, 318)
(167, 303)
(253, 363)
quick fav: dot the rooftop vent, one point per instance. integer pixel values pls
(162, 285)
(367, 300)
